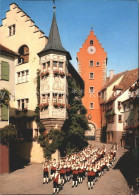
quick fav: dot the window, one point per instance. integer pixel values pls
(98, 64)
(22, 104)
(24, 54)
(12, 30)
(60, 99)
(91, 42)
(60, 64)
(44, 66)
(91, 63)
(91, 90)
(120, 118)
(43, 98)
(91, 105)
(48, 65)
(4, 113)
(54, 97)
(5, 71)
(91, 75)
(54, 63)
(23, 76)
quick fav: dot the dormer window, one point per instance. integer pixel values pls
(91, 42)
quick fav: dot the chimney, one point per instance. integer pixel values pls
(111, 74)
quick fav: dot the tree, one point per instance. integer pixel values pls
(76, 124)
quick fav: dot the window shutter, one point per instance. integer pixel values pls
(5, 71)
(4, 113)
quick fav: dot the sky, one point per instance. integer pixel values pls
(114, 22)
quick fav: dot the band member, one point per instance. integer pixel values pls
(68, 171)
(75, 176)
(56, 181)
(62, 173)
(80, 172)
(90, 176)
(45, 173)
(53, 168)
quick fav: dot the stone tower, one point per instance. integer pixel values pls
(53, 83)
(92, 61)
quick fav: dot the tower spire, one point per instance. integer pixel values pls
(54, 41)
(91, 27)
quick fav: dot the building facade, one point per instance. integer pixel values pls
(36, 52)
(8, 59)
(116, 91)
(92, 62)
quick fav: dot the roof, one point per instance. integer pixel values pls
(5, 50)
(128, 79)
(111, 81)
(54, 41)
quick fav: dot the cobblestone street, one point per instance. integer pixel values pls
(29, 181)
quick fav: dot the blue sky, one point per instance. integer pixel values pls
(114, 22)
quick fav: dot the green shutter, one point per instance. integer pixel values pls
(5, 71)
(4, 113)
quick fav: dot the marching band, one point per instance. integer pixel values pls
(90, 162)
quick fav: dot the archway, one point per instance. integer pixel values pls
(90, 134)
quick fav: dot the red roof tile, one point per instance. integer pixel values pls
(4, 49)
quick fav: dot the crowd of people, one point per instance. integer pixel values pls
(91, 162)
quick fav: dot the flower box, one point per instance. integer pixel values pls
(56, 105)
(46, 73)
(56, 73)
(25, 110)
(62, 105)
(45, 105)
(17, 111)
(62, 74)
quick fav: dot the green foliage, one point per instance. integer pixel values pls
(4, 96)
(7, 134)
(71, 138)
(77, 123)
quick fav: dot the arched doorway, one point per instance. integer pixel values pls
(90, 134)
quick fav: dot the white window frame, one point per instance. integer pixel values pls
(90, 106)
(90, 90)
(90, 75)
(90, 63)
(22, 79)
(97, 62)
